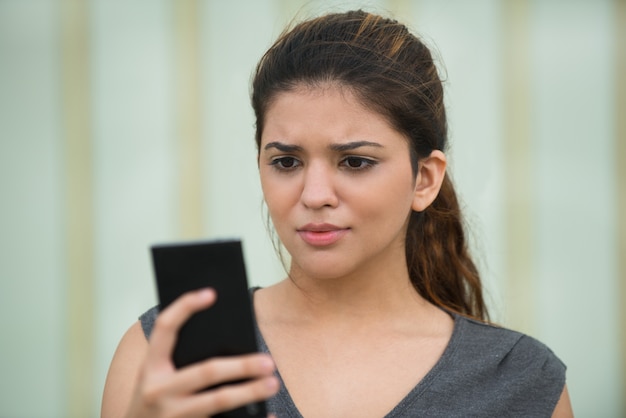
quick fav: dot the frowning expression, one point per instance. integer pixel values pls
(337, 180)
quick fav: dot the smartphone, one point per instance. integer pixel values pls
(227, 327)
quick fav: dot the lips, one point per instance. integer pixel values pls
(321, 235)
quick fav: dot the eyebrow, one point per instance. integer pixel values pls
(283, 147)
(349, 146)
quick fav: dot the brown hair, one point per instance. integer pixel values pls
(391, 72)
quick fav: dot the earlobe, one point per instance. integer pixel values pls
(430, 175)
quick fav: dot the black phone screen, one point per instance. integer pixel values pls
(227, 327)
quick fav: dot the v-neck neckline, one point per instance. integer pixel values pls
(413, 395)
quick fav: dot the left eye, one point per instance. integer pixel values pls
(358, 163)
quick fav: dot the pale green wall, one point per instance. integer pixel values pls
(31, 266)
(573, 262)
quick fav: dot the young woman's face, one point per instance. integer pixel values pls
(337, 181)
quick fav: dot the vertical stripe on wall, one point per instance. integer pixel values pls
(401, 9)
(620, 144)
(291, 11)
(78, 211)
(517, 154)
(188, 116)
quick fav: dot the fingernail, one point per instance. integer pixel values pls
(268, 364)
(272, 383)
(206, 294)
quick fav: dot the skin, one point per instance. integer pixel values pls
(309, 131)
(324, 159)
(142, 381)
(339, 187)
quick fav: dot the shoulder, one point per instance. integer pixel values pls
(508, 350)
(124, 371)
(497, 372)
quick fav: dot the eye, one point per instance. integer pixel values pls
(285, 163)
(358, 163)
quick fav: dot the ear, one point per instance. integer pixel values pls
(430, 174)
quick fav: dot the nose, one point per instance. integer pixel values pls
(319, 190)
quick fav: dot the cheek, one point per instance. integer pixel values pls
(395, 190)
(278, 196)
(387, 205)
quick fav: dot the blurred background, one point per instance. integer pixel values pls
(127, 123)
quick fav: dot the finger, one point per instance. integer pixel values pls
(171, 319)
(229, 397)
(220, 370)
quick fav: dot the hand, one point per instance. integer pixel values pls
(164, 391)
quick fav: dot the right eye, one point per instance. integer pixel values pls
(285, 163)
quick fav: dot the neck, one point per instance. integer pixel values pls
(371, 295)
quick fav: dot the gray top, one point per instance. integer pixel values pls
(485, 371)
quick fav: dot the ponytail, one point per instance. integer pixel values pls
(438, 259)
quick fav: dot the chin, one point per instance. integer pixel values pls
(319, 269)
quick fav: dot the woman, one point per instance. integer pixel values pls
(382, 313)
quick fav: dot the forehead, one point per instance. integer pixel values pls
(328, 95)
(332, 112)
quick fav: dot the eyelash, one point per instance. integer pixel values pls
(364, 163)
(278, 163)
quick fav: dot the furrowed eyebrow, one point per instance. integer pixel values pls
(283, 147)
(349, 146)
(354, 145)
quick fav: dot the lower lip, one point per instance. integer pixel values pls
(322, 238)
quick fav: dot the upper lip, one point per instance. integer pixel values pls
(320, 227)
